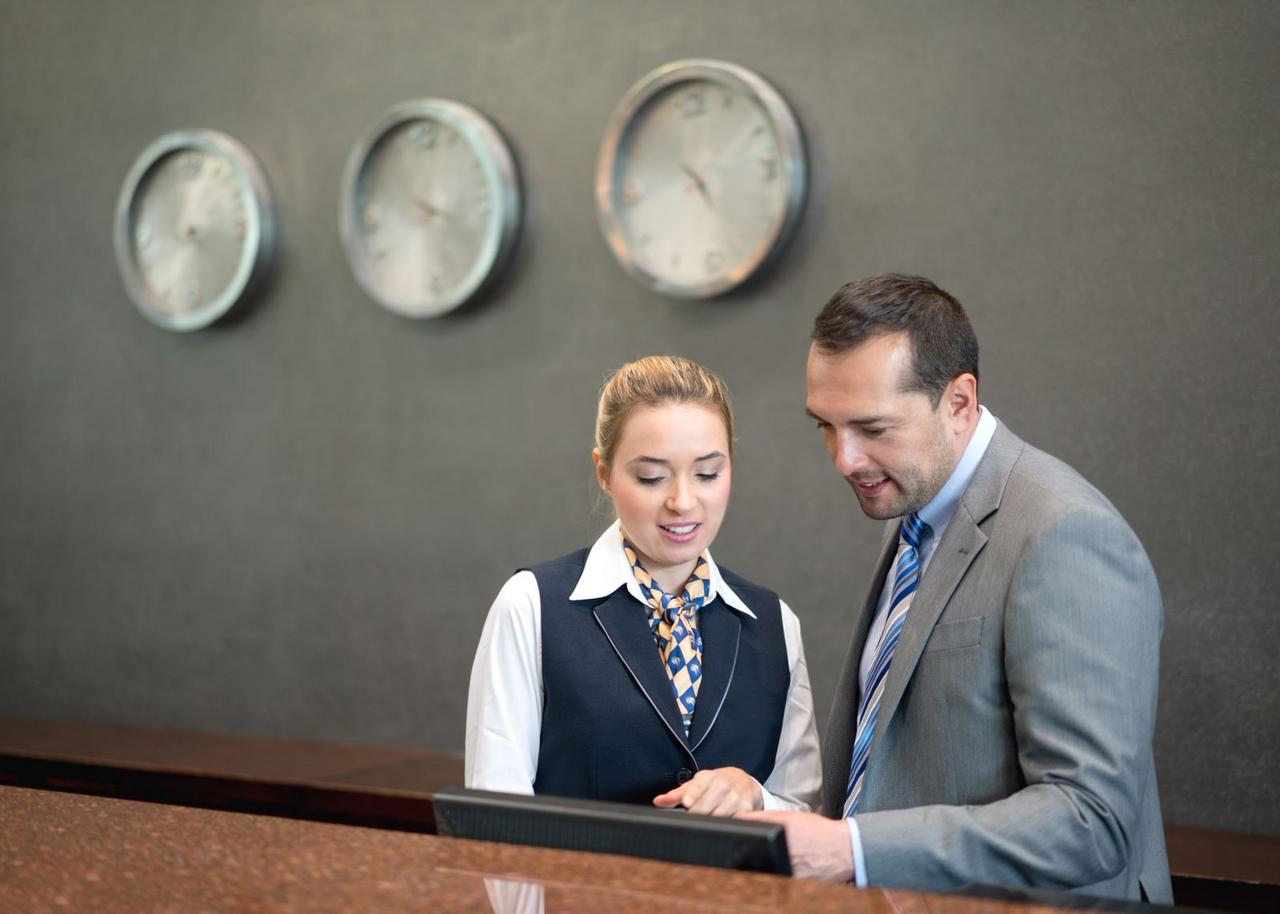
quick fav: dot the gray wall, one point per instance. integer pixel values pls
(294, 524)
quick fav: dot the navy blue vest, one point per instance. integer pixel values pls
(610, 726)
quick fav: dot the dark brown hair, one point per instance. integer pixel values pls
(943, 344)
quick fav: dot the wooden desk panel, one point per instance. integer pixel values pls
(260, 759)
(330, 782)
(70, 852)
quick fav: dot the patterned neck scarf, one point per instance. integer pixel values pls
(674, 623)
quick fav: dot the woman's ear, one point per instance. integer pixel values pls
(602, 471)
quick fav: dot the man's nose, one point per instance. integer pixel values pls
(849, 457)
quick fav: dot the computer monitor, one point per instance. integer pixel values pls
(612, 828)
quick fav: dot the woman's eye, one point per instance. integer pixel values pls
(648, 480)
(708, 477)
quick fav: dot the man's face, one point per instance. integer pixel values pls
(895, 449)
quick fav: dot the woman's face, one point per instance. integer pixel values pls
(669, 481)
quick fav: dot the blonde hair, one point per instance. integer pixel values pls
(656, 380)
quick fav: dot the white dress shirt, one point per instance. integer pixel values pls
(504, 704)
(937, 514)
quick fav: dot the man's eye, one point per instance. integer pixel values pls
(823, 426)
(873, 432)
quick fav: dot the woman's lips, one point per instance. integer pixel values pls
(679, 533)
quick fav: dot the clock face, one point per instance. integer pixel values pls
(193, 228)
(701, 178)
(430, 207)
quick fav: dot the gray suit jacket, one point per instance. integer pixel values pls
(1015, 729)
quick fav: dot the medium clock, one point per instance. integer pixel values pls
(194, 228)
(430, 207)
(701, 177)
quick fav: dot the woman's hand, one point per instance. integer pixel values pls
(715, 792)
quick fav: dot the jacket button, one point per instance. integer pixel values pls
(683, 776)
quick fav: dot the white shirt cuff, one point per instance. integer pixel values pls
(859, 860)
(769, 801)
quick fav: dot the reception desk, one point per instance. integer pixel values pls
(73, 852)
(83, 830)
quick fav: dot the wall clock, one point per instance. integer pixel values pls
(194, 228)
(701, 177)
(430, 207)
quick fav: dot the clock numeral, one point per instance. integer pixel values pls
(425, 135)
(436, 284)
(190, 165)
(644, 240)
(372, 218)
(714, 261)
(675, 261)
(768, 168)
(144, 237)
(728, 101)
(631, 192)
(693, 104)
(193, 293)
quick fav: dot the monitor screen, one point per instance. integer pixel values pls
(611, 828)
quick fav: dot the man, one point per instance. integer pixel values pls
(994, 720)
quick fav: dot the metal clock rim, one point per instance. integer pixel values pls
(257, 248)
(791, 145)
(500, 172)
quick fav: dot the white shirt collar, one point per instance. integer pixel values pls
(607, 569)
(938, 512)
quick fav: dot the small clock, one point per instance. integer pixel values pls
(701, 177)
(430, 207)
(194, 228)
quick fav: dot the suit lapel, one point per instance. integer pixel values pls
(625, 626)
(721, 632)
(956, 551)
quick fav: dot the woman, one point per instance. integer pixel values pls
(638, 670)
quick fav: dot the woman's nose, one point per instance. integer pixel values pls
(681, 498)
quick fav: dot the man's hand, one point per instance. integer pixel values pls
(819, 846)
(715, 792)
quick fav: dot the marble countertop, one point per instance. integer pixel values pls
(71, 852)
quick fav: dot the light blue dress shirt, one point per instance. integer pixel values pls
(937, 514)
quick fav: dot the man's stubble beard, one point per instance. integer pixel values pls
(915, 489)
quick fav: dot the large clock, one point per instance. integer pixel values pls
(701, 177)
(194, 228)
(430, 207)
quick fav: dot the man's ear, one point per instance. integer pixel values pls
(960, 402)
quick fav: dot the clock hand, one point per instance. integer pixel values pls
(429, 210)
(698, 183)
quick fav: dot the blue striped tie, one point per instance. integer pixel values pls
(905, 581)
